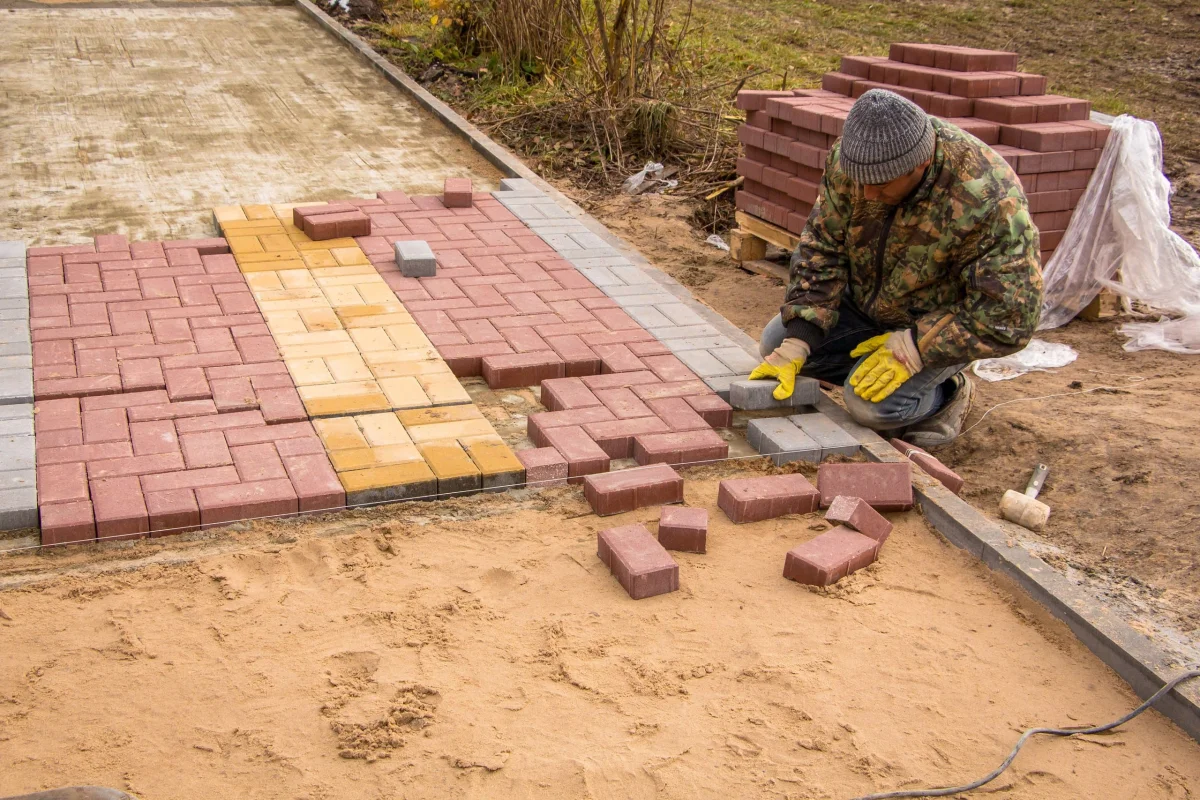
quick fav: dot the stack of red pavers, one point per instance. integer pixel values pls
(1048, 139)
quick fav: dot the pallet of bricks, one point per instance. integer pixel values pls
(1048, 139)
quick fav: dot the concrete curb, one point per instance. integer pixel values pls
(1136, 658)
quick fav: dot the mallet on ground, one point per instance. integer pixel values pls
(1025, 509)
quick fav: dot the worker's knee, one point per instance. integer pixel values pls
(892, 412)
(772, 336)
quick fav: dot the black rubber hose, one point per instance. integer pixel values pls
(991, 776)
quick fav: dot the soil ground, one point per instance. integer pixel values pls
(1123, 464)
(139, 121)
(478, 648)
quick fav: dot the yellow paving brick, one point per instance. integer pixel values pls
(269, 266)
(317, 350)
(346, 256)
(349, 368)
(443, 389)
(318, 258)
(241, 245)
(445, 431)
(395, 356)
(276, 295)
(228, 214)
(408, 336)
(274, 255)
(292, 305)
(277, 242)
(372, 309)
(323, 274)
(404, 392)
(372, 320)
(259, 212)
(376, 292)
(365, 457)
(342, 296)
(396, 369)
(371, 340)
(284, 322)
(253, 227)
(314, 337)
(353, 276)
(264, 282)
(308, 371)
(297, 279)
(342, 405)
(346, 243)
(433, 416)
(340, 433)
(496, 461)
(454, 469)
(382, 429)
(320, 319)
(389, 481)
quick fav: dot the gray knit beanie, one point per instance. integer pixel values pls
(885, 136)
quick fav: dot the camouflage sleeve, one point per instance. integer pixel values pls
(819, 267)
(1002, 297)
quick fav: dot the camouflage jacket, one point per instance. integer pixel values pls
(957, 261)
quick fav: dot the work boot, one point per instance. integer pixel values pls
(944, 426)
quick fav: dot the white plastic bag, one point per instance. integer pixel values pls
(716, 241)
(1122, 223)
(634, 181)
(1037, 355)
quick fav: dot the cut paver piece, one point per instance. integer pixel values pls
(682, 528)
(833, 439)
(627, 489)
(687, 448)
(640, 564)
(759, 395)
(415, 259)
(544, 467)
(782, 440)
(584, 456)
(856, 514)
(830, 557)
(457, 193)
(885, 487)
(767, 497)
(715, 411)
(522, 369)
(931, 464)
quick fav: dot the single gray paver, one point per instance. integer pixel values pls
(700, 343)
(18, 478)
(415, 259)
(737, 359)
(648, 317)
(683, 332)
(679, 314)
(833, 440)
(780, 439)
(703, 363)
(759, 395)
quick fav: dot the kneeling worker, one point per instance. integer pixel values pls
(918, 258)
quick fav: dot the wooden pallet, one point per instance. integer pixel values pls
(748, 245)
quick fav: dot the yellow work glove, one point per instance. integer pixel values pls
(893, 359)
(783, 364)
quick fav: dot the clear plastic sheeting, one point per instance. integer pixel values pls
(1122, 225)
(1037, 355)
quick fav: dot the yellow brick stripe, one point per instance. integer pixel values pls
(394, 419)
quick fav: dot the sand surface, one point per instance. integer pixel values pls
(478, 648)
(140, 120)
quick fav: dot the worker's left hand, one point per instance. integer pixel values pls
(893, 359)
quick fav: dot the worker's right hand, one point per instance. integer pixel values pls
(783, 365)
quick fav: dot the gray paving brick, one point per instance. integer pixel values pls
(758, 395)
(14, 313)
(18, 411)
(737, 359)
(608, 262)
(524, 210)
(624, 290)
(683, 331)
(18, 479)
(16, 386)
(11, 249)
(720, 384)
(415, 259)
(519, 186)
(14, 302)
(626, 300)
(562, 242)
(14, 287)
(16, 362)
(648, 316)
(14, 331)
(782, 441)
(680, 314)
(15, 348)
(634, 275)
(16, 426)
(16, 452)
(833, 440)
(601, 276)
(699, 343)
(18, 508)
(551, 210)
(589, 240)
(703, 363)
(13, 264)
(546, 226)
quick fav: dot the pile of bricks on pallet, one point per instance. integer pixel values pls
(1048, 139)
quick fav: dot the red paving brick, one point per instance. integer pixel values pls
(544, 467)
(685, 529)
(885, 487)
(856, 514)
(162, 345)
(756, 499)
(640, 564)
(627, 489)
(830, 557)
(684, 448)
